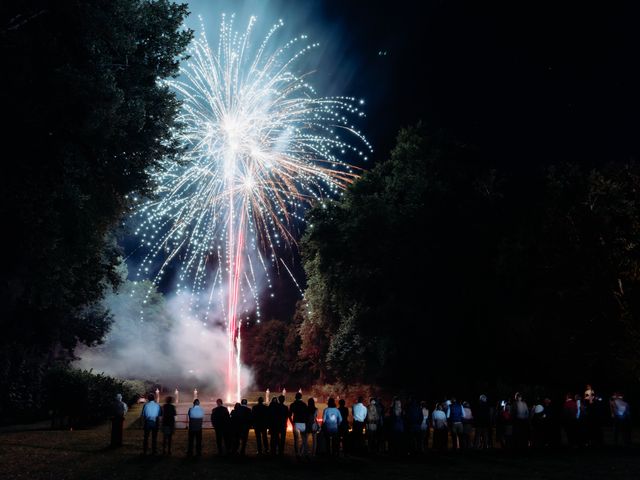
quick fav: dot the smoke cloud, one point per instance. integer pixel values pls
(170, 345)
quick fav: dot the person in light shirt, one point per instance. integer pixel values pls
(440, 428)
(151, 421)
(196, 416)
(359, 412)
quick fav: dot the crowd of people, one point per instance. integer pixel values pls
(408, 427)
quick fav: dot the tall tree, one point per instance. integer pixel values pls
(434, 263)
(88, 116)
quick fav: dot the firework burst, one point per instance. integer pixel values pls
(260, 145)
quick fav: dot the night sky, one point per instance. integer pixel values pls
(528, 82)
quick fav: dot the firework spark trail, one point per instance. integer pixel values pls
(259, 146)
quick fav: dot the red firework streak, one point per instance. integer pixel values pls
(234, 326)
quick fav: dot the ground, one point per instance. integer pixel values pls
(83, 454)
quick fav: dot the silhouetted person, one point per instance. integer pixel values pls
(240, 425)
(221, 423)
(483, 416)
(373, 426)
(343, 429)
(414, 423)
(117, 421)
(298, 417)
(260, 418)
(312, 427)
(455, 414)
(595, 415)
(196, 417)
(520, 411)
(569, 419)
(151, 418)
(281, 424)
(621, 414)
(273, 411)
(168, 424)
(396, 420)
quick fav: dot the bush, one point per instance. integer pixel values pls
(81, 398)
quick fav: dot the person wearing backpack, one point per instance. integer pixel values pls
(331, 421)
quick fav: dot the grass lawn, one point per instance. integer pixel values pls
(83, 454)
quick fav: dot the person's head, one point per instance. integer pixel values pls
(454, 400)
(151, 397)
(331, 403)
(196, 402)
(483, 398)
(517, 397)
(423, 404)
(372, 401)
(281, 399)
(219, 402)
(237, 406)
(466, 404)
(298, 396)
(243, 401)
(119, 397)
(341, 402)
(274, 401)
(311, 403)
(168, 400)
(260, 400)
(360, 399)
(568, 396)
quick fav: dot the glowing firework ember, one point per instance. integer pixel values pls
(260, 145)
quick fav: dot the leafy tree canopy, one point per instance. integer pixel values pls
(87, 117)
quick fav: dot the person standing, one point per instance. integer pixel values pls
(196, 417)
(150, 417)
(424, 428)
(298, 414)
(244, 425)
(359, 412)
(312, 427)
(260, 417)
(343, 428)
(168, 425)
(440, 428)
(413, 425)
(621, 414)
(520, 422)
(397, 427)
(455, 415)
(221, 423)
(117, 421)
(570, 413)
(373, 424)
(483, 416)
(331, 421)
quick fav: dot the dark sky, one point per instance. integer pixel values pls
(527, 82)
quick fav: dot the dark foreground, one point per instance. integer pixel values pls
(83, 455)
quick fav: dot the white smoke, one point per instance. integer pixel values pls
(170, 345)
